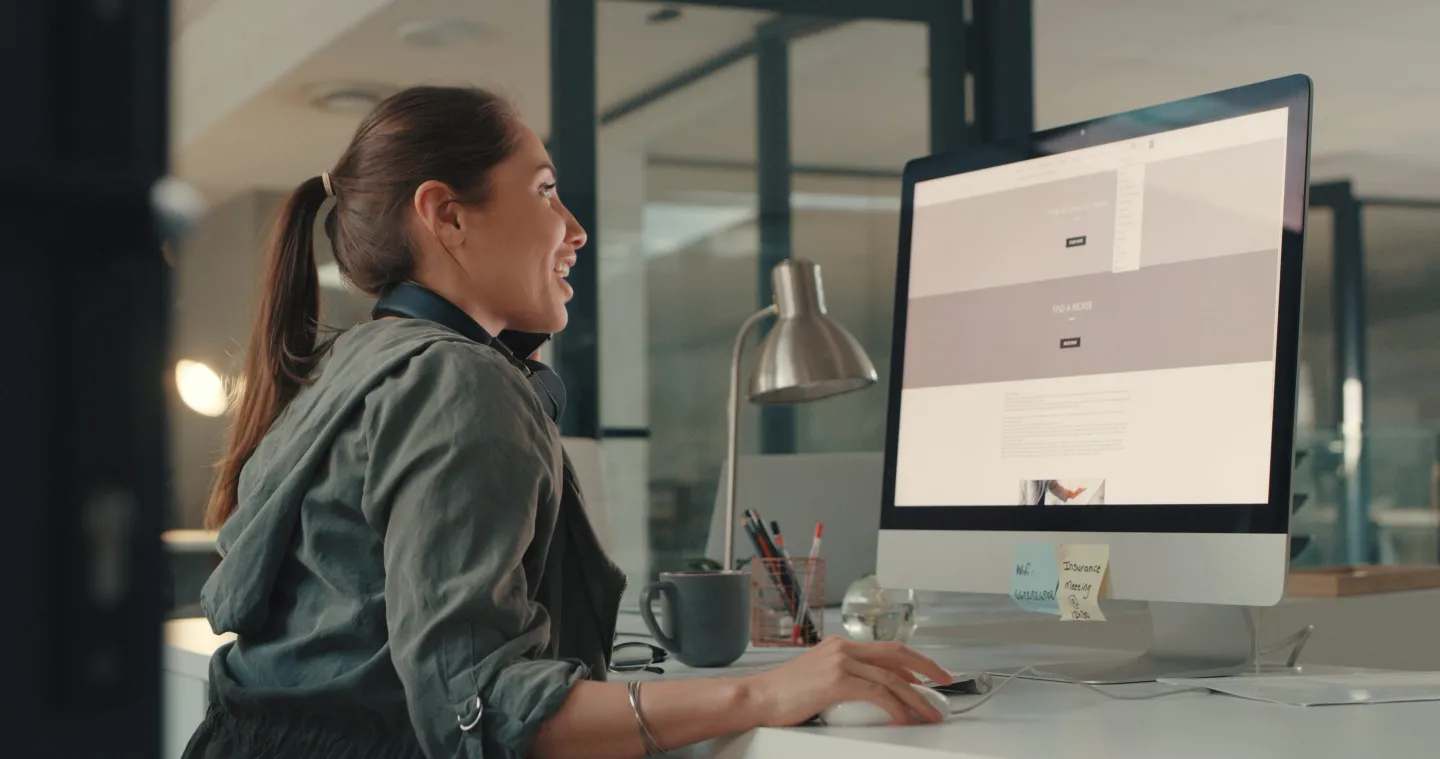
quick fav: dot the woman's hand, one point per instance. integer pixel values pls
(839, 670)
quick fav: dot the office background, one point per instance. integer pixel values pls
(701, 142)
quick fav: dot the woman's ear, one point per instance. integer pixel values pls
(439, 210)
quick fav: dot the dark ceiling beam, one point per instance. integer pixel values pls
(1418, 204)
(787, 27)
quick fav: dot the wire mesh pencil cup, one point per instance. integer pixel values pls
(779, 590)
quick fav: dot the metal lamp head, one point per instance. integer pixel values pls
(807, 355)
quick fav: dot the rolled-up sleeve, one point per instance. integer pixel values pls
(463, 470)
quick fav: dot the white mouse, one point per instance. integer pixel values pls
(866, 714)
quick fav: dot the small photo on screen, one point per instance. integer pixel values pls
(1062, 492)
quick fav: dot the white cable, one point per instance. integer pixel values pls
(1298, 639)
(1105, 693)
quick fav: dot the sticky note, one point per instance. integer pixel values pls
(1035, 577)
(1082, 577)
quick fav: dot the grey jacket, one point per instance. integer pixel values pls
(410, 544)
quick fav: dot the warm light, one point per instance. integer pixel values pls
(201, 388)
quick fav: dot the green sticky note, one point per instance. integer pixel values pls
(1035, 577)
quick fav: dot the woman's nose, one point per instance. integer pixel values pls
(575, 235)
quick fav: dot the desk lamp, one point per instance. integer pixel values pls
(806, 357)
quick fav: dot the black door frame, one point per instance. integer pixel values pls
(84, 141)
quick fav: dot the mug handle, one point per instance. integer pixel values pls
(647, 613)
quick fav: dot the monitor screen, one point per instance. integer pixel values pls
(1097, 326)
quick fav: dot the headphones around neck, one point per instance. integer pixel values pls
(408, 300)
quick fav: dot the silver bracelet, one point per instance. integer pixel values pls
(652, 747)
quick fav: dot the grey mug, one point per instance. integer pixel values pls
(708, 613)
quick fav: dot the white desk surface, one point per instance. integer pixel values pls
(1039, 720)
(188, 646)
(189, 541)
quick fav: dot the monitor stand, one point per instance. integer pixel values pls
(1188, 640)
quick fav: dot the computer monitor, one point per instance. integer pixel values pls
(1096, 331)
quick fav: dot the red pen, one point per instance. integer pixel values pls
(809, 581)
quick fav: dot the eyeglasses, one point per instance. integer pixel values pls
(637, 656)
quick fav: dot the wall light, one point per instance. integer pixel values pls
(201, 388)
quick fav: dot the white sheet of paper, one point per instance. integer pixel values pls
(1082, 575)
(1320, 690)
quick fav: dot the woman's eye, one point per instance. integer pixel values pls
(547, 190)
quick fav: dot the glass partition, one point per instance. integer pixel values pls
(857, 120)
(1401, 252)
(680, 219)
(677, 262)
(1402, 272)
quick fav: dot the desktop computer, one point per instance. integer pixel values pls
(1096, 331)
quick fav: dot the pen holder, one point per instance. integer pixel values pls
(778, 590)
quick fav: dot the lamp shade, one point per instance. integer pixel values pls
(807, 355)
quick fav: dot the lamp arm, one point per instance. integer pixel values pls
(732, 429)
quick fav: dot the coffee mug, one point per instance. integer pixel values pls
(708, 613)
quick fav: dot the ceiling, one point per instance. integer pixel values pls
(247, 69)
(267, 133)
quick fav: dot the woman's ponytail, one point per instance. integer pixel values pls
(447, 134)
(282, 349)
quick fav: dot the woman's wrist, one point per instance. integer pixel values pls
(747, 702)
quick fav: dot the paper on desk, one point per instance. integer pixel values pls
(1082, 576)
(1035, 577)
(1322, 690)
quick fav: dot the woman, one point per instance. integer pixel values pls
(1032, 492)
(407, 562)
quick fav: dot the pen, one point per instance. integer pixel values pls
(794, 582)
(772, 551)
(754, 539)
(802, 622)
(803, 618)
(764, 549)
(783, 576)
(779, 539)
(764, 533)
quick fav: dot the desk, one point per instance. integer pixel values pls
(1029, 720)
(185, 681)
(189, 541)
(1041, 720)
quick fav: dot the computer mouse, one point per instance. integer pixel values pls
(866, 714)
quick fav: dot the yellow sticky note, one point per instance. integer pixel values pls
(1082, 577)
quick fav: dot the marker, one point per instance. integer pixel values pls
(815, 542)
(764, 533)
(784, 574)
(779, 539)
(804, 617)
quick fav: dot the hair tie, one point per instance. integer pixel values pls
(325, 180)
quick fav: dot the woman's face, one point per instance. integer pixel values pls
(516, 248)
